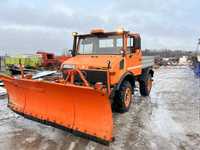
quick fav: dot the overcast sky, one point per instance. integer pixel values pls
(30, 25)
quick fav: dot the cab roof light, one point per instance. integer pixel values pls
(120, 30)
(97, 30)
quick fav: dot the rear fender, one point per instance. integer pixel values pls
(145, 72)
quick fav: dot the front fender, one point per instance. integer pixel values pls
(129, 76)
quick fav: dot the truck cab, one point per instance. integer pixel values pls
(48, 59)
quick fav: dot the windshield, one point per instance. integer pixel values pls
(100, 45)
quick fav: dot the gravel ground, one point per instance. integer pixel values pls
(169, 119)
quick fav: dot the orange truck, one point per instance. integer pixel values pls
(99, 78)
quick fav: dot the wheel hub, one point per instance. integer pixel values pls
(127, 97)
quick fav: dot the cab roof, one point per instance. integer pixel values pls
(92, 34)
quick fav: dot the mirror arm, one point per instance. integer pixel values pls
(74, 46)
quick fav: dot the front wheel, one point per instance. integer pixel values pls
(123, 98)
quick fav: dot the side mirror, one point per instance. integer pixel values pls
(71, 52)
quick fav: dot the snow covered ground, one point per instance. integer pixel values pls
(169, 119)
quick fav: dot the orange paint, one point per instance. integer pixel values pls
(78, 107)
(74, 107)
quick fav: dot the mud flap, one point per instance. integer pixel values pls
(82, 109)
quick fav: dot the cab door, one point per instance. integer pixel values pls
(133, 55)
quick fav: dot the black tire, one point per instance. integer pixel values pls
(145, 83)
(123, 99)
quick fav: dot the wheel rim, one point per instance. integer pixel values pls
(149, 86)
(127, 97)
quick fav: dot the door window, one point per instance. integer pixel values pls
(130, 44)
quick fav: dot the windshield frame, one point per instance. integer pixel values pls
(103, 36)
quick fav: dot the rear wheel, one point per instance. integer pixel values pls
(123, 98)
(146, 84)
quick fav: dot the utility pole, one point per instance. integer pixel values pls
(197, 48)
(198, 65)
(198, 44)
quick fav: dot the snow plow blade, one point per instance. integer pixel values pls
(78, 108)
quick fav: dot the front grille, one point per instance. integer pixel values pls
(93, 76)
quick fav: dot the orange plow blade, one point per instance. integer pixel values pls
(79, 108)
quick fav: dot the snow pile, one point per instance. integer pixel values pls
(43, 74)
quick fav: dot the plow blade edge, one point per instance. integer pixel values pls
(81, 109)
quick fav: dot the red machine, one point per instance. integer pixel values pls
(50, 60)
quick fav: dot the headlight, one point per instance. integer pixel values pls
(69, 66)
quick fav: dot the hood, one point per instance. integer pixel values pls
(94, 61)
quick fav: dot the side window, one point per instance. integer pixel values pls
(49, 56)
(119, 42)
(137, 44)
(130, 44)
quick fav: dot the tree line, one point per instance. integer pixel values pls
(166, 53)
